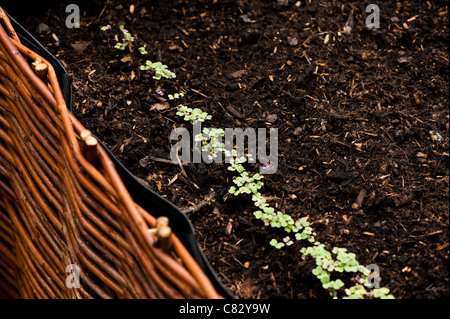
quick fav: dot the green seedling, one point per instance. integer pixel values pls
(382, 293)
(340, 261)
(276, 244)
(211, 140)
(127, 40)
(142, 50)
(160, 70)
(245, 183)
(359, 292)
(193, 115)
(176, 96)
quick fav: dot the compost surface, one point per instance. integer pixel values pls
(359, 111)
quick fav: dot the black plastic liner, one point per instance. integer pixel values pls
(141, 194)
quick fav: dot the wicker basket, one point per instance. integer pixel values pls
(68, 226)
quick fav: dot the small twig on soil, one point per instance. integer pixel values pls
(338, 117)
(274, 284)
(340, 143)
(361, 195)
(359, 199)
(342, 175)
(200, 93)
(183, 172)
(183, 175)
(209, 199)
(163, 160)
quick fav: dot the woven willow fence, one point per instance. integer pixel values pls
(68, 226)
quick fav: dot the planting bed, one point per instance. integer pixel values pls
(354, 112)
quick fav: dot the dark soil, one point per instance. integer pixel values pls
(354, 111)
